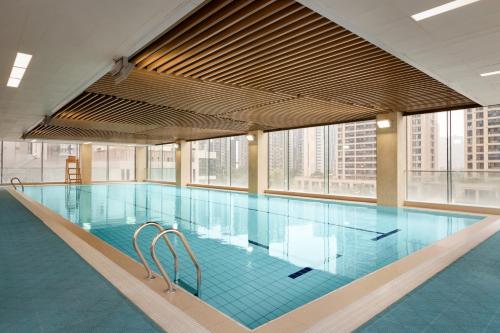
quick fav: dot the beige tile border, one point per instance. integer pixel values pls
(342, 310)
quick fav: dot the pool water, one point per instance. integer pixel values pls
(261, 256)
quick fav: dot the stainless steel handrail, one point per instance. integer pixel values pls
(167, 241)
(20, 183)
(179, 234)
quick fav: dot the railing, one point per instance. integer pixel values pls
(19, 181)
(149, 272)
(163, 233)
(189, 251)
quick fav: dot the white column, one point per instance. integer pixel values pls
(183, 163)
(257, 162)
(391, 155)
(141, 166)
(86, 163)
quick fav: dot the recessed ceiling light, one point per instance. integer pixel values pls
(491, 73)
(22, 60)
(34, 140)
(16, 74)
(250, 137)
(14, 83)
(87, 143)
(442, 9)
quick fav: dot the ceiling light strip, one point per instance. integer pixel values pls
(17, 73)
(442, 9)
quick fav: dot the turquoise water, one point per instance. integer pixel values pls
(261, 256)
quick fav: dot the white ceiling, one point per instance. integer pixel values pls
(73, 43)
(454, 47)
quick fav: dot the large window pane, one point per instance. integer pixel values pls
(276, 163)
(453, 157)
(121, 163)
(427, 157)
(239, 161)
(54, 160)
(199, 162)
(219, 162)
(155, 162)
(306, 156)
(22, 160)
(99, 163)
(353, 159)
(475, 151)
(168, 163)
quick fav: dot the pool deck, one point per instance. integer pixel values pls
(343, 310)
(462, 298)
(47, 287)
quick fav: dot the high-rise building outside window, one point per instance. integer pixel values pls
(455, 160)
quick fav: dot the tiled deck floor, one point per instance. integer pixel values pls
(46, 287)
(465, 297)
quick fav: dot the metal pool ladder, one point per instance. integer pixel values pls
(163, 233)
(19, 181)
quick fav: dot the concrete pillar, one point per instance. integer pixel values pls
(86, 163)
(141, 164)
(257, 162)
(182, 163)
(391, 160)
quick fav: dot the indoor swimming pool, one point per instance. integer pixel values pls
(261, 256)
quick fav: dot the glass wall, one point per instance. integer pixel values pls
(99, 163)
(35, 161)
(161, 162)
(336, 159)
(220, 161)
(113, 163)
(454, 157)
(121, 163)
(54, 160)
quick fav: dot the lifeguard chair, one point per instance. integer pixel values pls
(73, 175)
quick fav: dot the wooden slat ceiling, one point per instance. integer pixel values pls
(235, 66)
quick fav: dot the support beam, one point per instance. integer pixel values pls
(86, 163)
(391, 155)
(182, 163)
(257, 162)
(141, 166)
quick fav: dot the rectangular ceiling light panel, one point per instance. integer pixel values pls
(20, 64)
(442, 9)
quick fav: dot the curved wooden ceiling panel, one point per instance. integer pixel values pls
(235, 66)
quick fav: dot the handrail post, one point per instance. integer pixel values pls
(149, 272)
(19, 181)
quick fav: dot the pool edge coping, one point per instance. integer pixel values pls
(341, 310)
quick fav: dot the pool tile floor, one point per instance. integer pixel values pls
(46, 287)
(465, 297)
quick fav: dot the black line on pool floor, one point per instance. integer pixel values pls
(258, 244)
(386, 234)
(300, 272)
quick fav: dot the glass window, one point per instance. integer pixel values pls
(220, 161)
(276, 162)
(218, 166)
(199, 162)
(168, 166)
(22, 160)
(121, 163)
(427, 158)
(306, 159)
(457, 168)
(353, 159)
(54, 160)
(99, 163)
(239, 161)
(155, 162)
